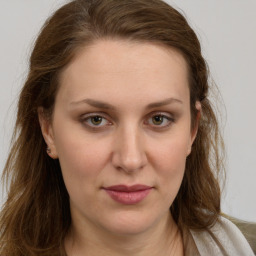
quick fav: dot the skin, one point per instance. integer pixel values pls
(135, 142)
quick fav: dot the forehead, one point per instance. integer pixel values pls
(125, 68)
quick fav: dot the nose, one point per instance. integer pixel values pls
(129, 150)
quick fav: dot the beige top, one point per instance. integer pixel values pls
(223, 239)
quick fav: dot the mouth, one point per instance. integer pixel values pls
(128, 195)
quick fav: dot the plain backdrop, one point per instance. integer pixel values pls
(227, 31)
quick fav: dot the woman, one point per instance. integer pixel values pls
(113, 139)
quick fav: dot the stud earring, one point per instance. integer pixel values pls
(51, 154)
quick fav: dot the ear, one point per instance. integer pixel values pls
(196, 125)
(47, 132)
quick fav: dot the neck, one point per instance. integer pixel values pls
(161, 240)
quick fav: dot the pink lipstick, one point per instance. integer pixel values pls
(128, 194)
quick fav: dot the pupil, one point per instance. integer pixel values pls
(96, 120)
(157, 119)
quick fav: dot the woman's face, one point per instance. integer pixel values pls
(121, 130)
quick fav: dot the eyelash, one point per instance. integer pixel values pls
(88, 118)
(166, 118)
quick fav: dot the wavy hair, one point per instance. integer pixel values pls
(36, 215)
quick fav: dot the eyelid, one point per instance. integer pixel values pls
(90, 114)
(168, 116)
(85, 117)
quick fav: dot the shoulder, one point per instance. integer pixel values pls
(224, 238)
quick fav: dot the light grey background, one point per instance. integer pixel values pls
(227, 31)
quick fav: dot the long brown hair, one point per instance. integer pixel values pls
(36, 216)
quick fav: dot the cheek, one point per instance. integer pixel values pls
(81, 159)
(169, 163)
(82, 166)
(171, 154)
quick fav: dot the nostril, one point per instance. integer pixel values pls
(128, 150)
(130, 165)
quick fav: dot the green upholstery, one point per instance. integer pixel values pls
(248, 229)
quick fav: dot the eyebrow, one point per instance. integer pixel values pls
(104, 105)
(94, 103)
(163, 103)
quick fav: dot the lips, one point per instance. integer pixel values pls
(124, 188)
(128, 194)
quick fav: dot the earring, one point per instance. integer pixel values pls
(48, 150)
(51, 154)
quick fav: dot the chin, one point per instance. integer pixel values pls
(131, 223)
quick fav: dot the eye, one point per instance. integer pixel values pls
(160, 120)
(95, 121)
